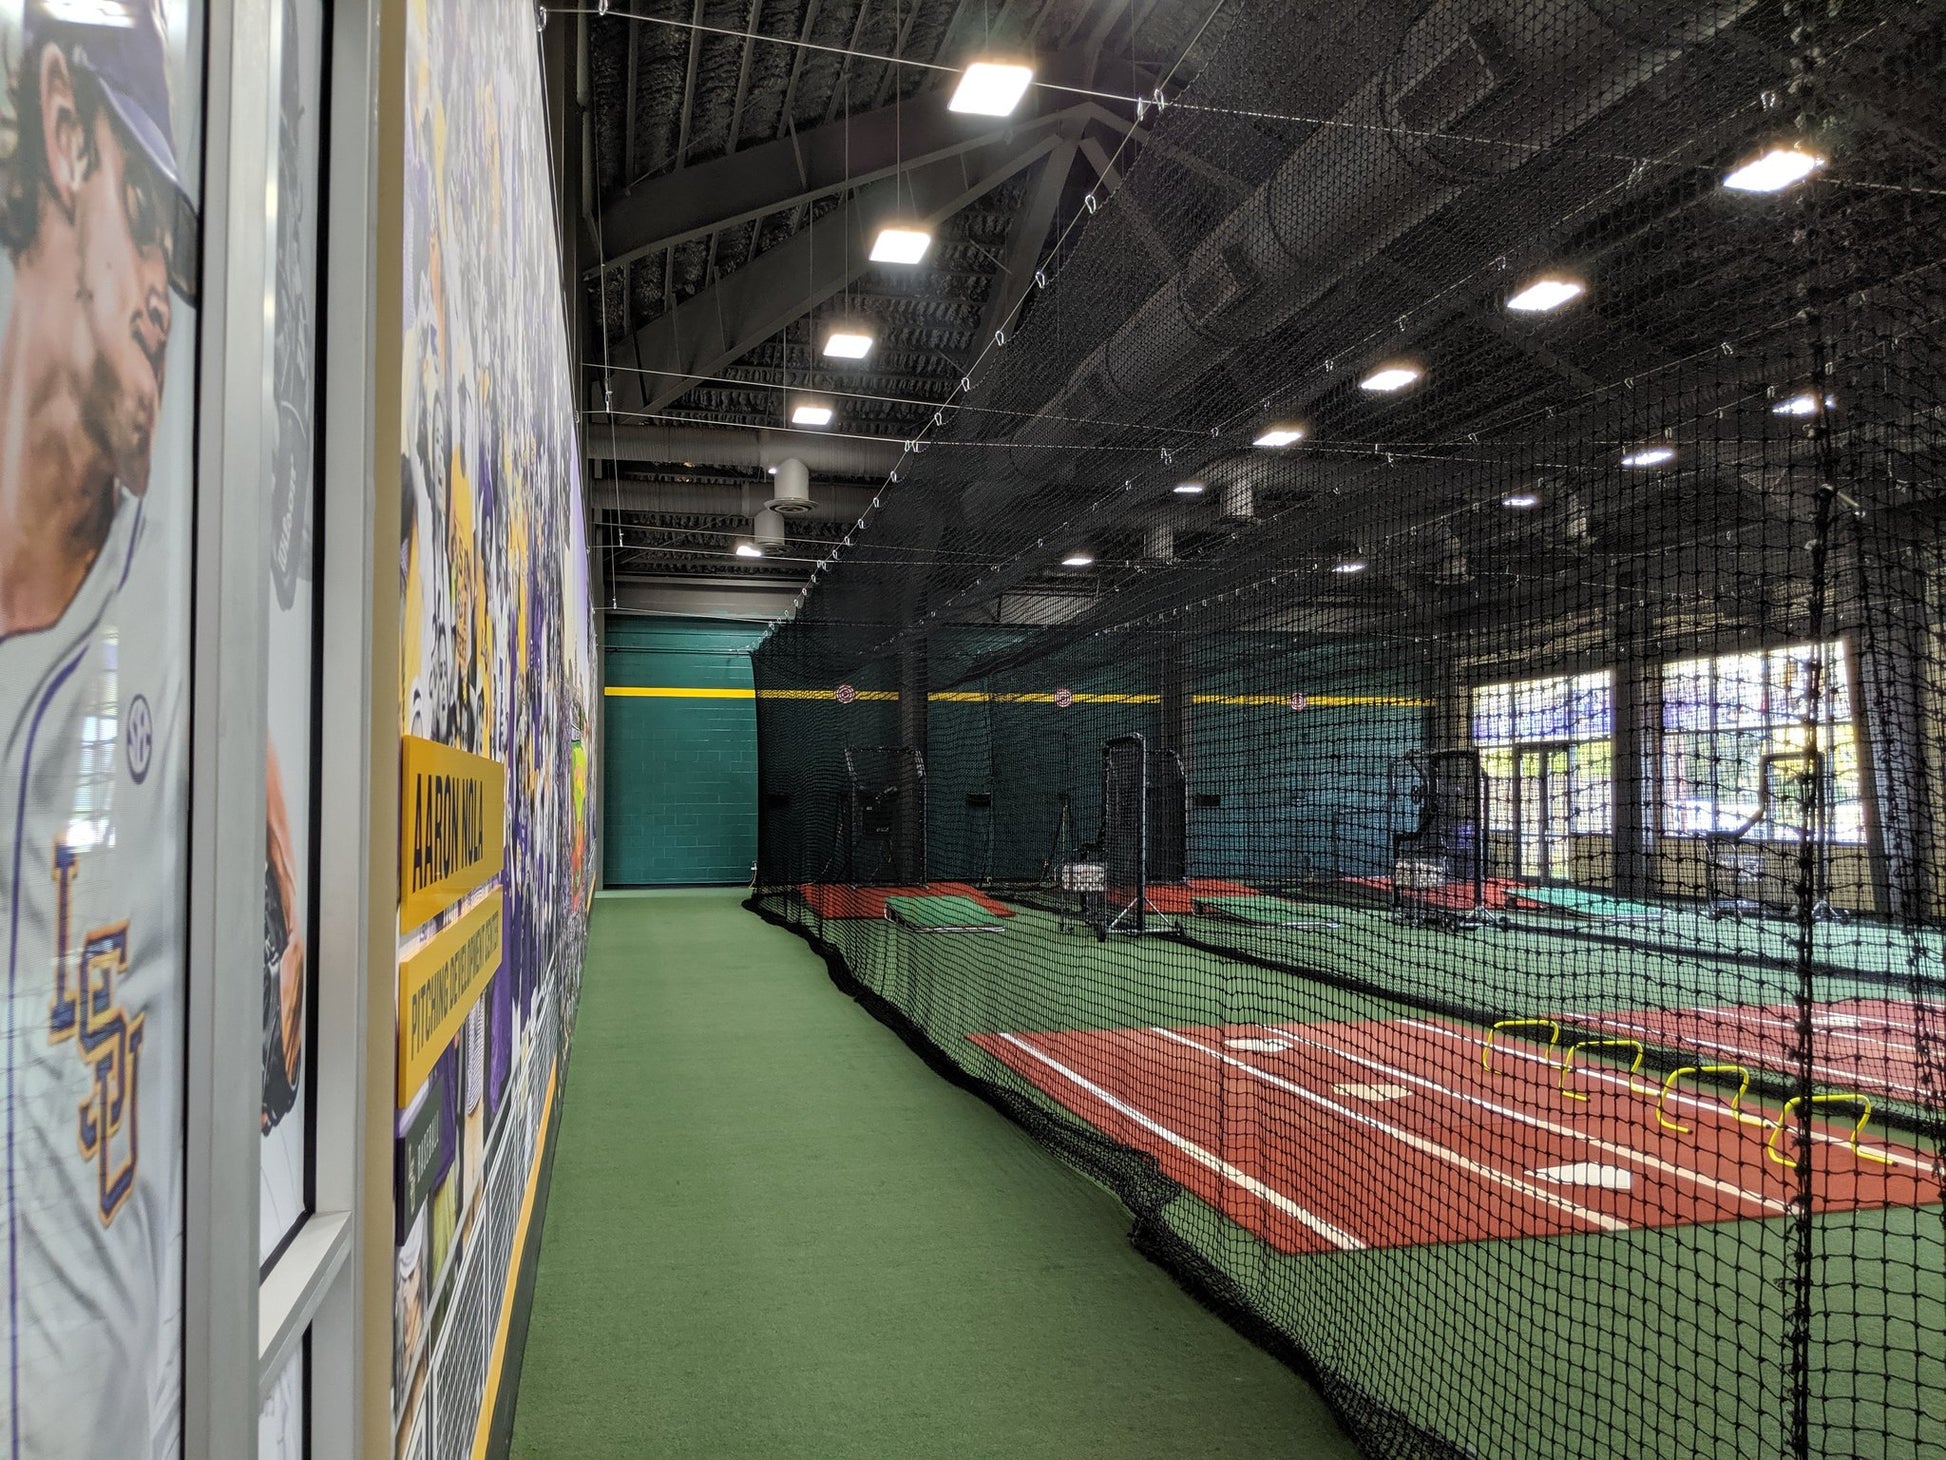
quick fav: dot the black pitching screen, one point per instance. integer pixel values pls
(1452, 547)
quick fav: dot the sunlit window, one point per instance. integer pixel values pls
(1724, 717)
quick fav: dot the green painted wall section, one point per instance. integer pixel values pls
(679, 774)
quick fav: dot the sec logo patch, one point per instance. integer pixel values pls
(138, 738)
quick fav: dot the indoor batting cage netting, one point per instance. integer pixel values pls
(1449, 552)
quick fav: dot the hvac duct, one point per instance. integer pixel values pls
(793, 488)
(1159, 543)
(693, 499)
(721, 446)
(1527, 76)
(768, 529)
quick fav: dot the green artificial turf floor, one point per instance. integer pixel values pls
(1676, 1333)
(773, 1231)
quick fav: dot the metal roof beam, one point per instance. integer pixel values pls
(740, 311)
(773, 176)
(1022, 254)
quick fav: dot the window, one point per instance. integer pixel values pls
(1736, 732)
(1555, 731)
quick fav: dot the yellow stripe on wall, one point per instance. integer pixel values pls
(979, 697)
(668, 692)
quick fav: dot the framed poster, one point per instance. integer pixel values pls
(100, 163)
(290, 775)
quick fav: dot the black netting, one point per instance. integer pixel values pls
(1527, 782)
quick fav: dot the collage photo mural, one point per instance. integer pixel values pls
(496, 672)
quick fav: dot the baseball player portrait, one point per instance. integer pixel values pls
(96, 349)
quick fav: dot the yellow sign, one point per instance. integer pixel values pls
(438, 987)
(452, 827)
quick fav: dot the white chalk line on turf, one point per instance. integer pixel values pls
(1416, 1142)
(1336, 1236)
(1716, 1109)
(1507, 1112)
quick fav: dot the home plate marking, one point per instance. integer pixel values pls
(1587, 1173)
(1257, 1046)
(1374, 1093)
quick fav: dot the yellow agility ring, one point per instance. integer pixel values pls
(1736, 1100)
(1784, 1119)
(1567, 1065)
(1486, 1050)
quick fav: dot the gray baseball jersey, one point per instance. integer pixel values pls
(93, 785)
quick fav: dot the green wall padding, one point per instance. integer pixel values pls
(679, 773)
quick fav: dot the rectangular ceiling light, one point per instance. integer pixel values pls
(810, 413)
(900, 245)
(749, 550)
(1189, 489)
(1077, 560)
(1520, 501)
(1649, 456)
(1546, 294)
(848, 344)
(1389, 378)
(991, 88)
(1776, 170)
(1273, 436)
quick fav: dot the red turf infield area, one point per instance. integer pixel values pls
(840, 900)
(1347, 1136)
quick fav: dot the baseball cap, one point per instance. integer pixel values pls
(120, 43)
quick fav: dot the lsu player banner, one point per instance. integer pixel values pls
(452, 826)
(100, 161)
(438, 987)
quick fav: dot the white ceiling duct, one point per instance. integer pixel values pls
(847, 456)
(792, 484)
(702, 499)
(768, 529)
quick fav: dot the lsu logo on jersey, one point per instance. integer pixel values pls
(86, 1012)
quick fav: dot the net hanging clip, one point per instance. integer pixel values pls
(1486, 1048)
(1736, 1100)
(1567, 1064)
(1784, 1119)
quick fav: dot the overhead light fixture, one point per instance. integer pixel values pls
(1388, 378)
(991, 88)
(1520, 501)
(1775, 170)
(900, 243)
(1078, 559)
(1189, 489)
(1349, 565)
(748, 549)
(848, 342)
(1549, 292)
(1799, 405)
(1275, 436)
(1649, 456)
(810, 413)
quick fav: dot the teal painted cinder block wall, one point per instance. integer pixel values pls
(679, 774)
